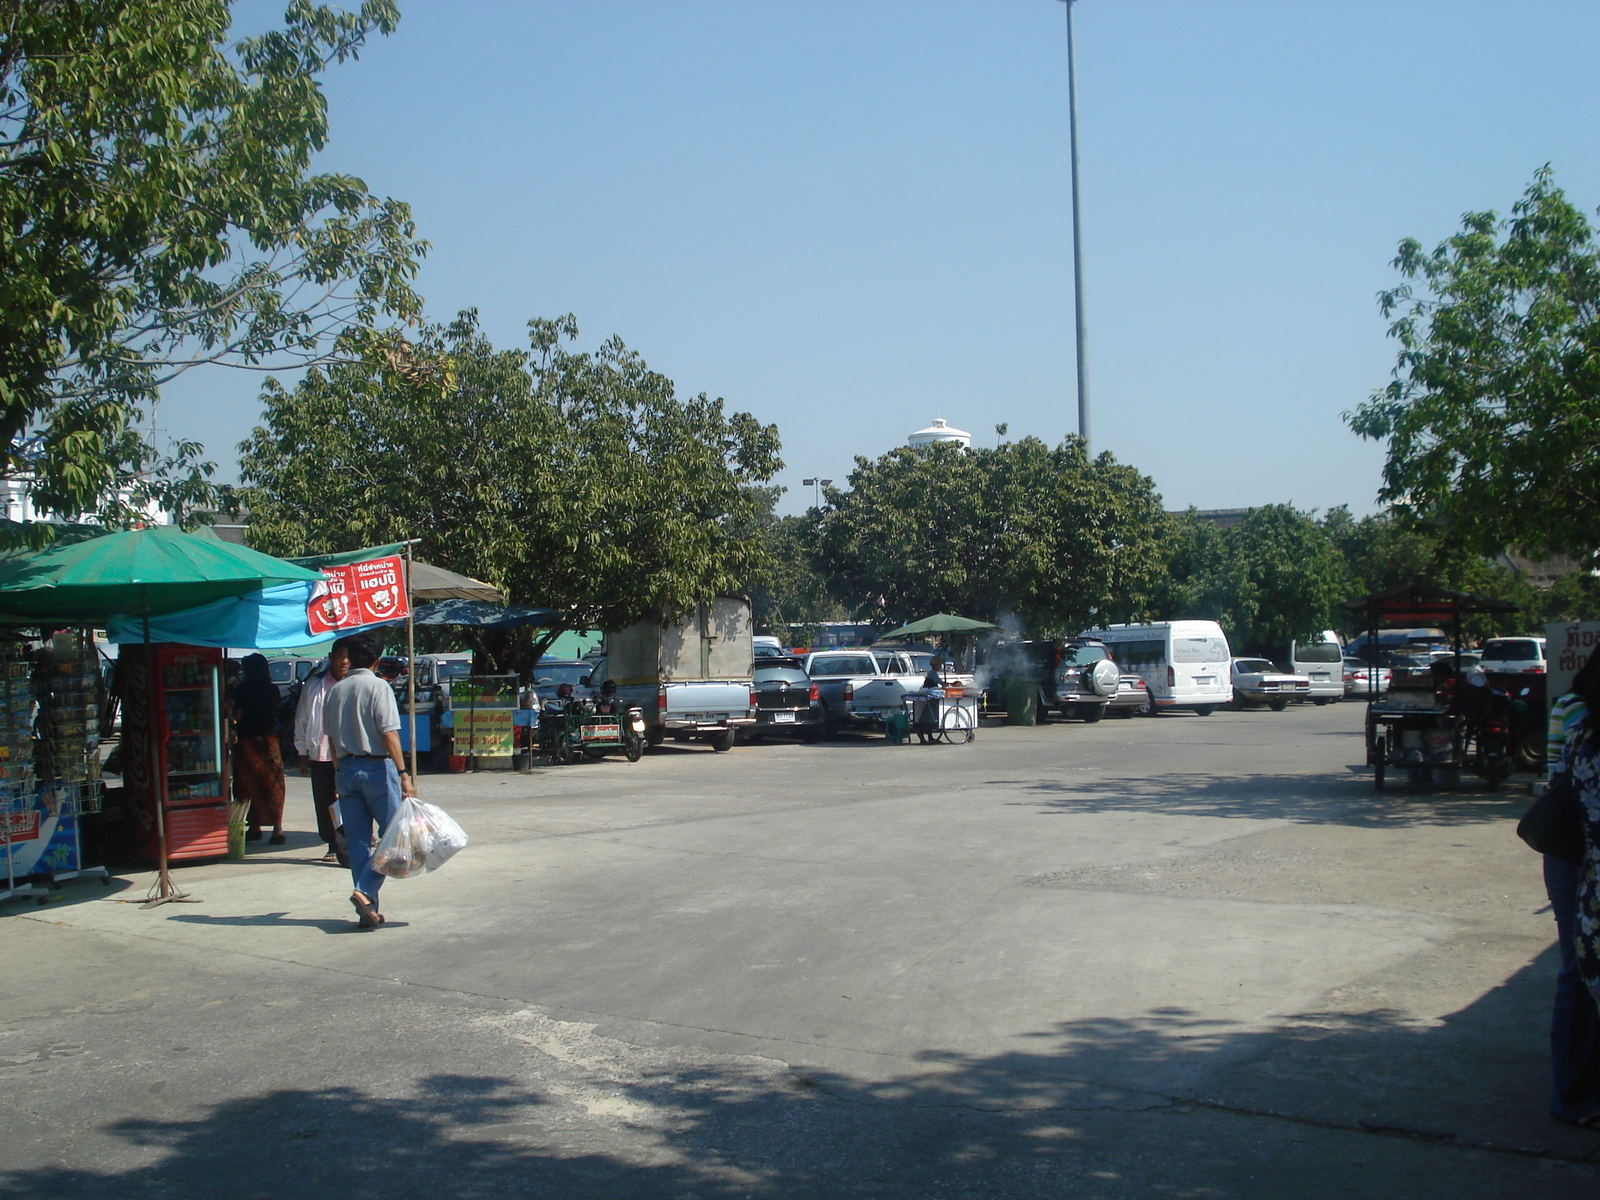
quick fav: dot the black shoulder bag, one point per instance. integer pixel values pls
(1553, 824)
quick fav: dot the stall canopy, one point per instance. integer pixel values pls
(1421, 604)
(272, 618)
(482, 615)
(428, 582)
(275, 617)
(158, 570)
(940, 623)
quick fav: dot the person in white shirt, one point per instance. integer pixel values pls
(316, 752)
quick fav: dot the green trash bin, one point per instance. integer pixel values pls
(1022, 702)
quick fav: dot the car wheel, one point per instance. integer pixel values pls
(1204, 710)
(1320, 701)
(1240, 704)
(1277, 705)
(1093, 712)
(655, 736)
(723, 742)
(1148, 708)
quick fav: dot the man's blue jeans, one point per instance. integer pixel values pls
(1574, 1019)
(369, 794)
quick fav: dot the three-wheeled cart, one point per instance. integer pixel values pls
(1418, 729)
(573, 730)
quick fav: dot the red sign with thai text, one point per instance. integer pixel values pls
(357, 594)
(21, 826)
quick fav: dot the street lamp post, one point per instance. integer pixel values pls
(817, 485)
(1077, 237)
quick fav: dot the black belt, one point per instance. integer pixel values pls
(378, 757)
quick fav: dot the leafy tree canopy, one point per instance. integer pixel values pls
(1047, 535)
(575, 481)
(791, 589)
(157, 211)
(1493, 416)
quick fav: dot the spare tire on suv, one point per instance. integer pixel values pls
(1085, 679)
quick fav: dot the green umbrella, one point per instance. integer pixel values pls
(151, 572)
(940, 623)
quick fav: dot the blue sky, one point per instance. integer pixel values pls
(850, 217)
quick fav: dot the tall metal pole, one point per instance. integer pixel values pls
(1077, 238)
(411, 664)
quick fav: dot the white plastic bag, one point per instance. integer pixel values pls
(420, 838)
(446, 836)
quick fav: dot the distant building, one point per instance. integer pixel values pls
(16, 503)
(939, 431)
(1222, 518)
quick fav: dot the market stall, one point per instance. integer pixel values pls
(141, 576)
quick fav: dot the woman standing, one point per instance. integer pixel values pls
(257, 761)
(1575, 904)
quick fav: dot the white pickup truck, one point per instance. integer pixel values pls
(690, 678)
(861, 687)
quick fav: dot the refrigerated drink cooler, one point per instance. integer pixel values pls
(174, 734)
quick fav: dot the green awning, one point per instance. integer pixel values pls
(119, 574)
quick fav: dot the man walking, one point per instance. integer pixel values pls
(362, 722)
(316, 751)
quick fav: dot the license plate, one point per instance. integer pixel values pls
(602, 733)
(783, 718)
(1322, 675)
(1205, 678)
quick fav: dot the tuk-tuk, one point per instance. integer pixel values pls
(1442, 722)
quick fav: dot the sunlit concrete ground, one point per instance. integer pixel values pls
(1174, 957)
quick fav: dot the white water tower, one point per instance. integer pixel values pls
(939, 431)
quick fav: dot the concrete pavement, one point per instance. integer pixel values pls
(1175, 957)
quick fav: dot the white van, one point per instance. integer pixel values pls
(1322, 662)
(1184, 664)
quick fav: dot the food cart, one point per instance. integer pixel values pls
(1416, 728)
(944, 714)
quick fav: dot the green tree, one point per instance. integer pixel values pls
(580, 482)
(1392, 549)
(1049, 536)
(1203, 579)
(1293, 575)
(1493, 417)
(1273, 578)
(158, 211)
(791, 589)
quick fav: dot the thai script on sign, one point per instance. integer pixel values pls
(1567, 648)
(358, 594)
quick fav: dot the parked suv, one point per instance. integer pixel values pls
(1525, 654)
(1075, 677)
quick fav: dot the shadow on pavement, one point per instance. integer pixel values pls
(1325, 1105)
(1346, 799)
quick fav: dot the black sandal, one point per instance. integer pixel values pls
(368, 917)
